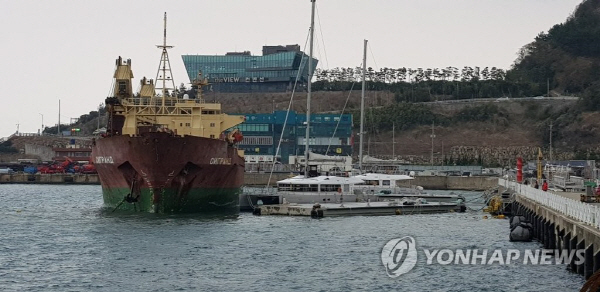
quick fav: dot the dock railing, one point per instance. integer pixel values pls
(577, 210)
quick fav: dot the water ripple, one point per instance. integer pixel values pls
(58, 238)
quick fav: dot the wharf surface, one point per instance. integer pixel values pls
(54, 178)
(356, 209)
(561, 221)
(475, 183)
(253, 179)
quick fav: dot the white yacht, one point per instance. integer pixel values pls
(335, 189)
(370, 186)
(383, 187)
(328, 189)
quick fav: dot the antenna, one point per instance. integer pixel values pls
(164, 66)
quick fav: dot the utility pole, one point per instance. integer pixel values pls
(58, 128)
(550, 141)
(18, 128)
(42, 131)
(393, 140)
(443, 157)
(432, 136)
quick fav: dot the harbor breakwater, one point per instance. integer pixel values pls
(560, 223)
(475, 183)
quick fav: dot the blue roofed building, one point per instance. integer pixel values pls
(262, 134)
(275, 71)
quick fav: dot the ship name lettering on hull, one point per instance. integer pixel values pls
(104, 159)
(226, 161)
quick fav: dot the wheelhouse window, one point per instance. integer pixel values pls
(330, 188)
(122, 87)
(372, 182)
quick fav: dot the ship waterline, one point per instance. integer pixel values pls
(168, 200)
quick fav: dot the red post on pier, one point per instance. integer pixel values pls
(519, 170)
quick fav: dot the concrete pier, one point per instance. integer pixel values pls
(561, 222)
(355, 209)
(57, 178)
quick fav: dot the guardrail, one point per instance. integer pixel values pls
(577, 210)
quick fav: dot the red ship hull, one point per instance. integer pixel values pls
(162, 173)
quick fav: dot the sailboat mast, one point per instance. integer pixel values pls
(310, 64)
(362, 109)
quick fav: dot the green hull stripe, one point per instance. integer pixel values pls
(199, 200)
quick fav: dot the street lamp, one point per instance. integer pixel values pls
(432, 136)
(42, 131)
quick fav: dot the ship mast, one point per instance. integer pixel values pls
(312, 26)
(362, 110)
(164, 67)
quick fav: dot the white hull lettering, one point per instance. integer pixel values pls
(219, 160)
(103, 159)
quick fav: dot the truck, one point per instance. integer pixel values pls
(6, 171)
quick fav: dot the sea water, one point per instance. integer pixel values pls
(59, 238)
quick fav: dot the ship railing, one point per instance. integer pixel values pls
(25, 135)
(587, 213)
(268, 167)
(157, 101)
(259, 191)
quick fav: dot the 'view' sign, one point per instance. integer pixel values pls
(237, 79)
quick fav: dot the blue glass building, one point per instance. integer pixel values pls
(262, 133)
(275, 71)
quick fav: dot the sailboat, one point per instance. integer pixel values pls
(377, 186)
(310, 187)
(313, 188)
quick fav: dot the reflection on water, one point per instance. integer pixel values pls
(128, 215)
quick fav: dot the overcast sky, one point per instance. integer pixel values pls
(66, 50)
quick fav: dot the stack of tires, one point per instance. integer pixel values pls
(520, 229)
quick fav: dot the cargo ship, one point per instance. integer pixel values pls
(167, 152)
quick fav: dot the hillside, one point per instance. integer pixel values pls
(517, 122)
(567, 56)
(484, 130)
(480, 114)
